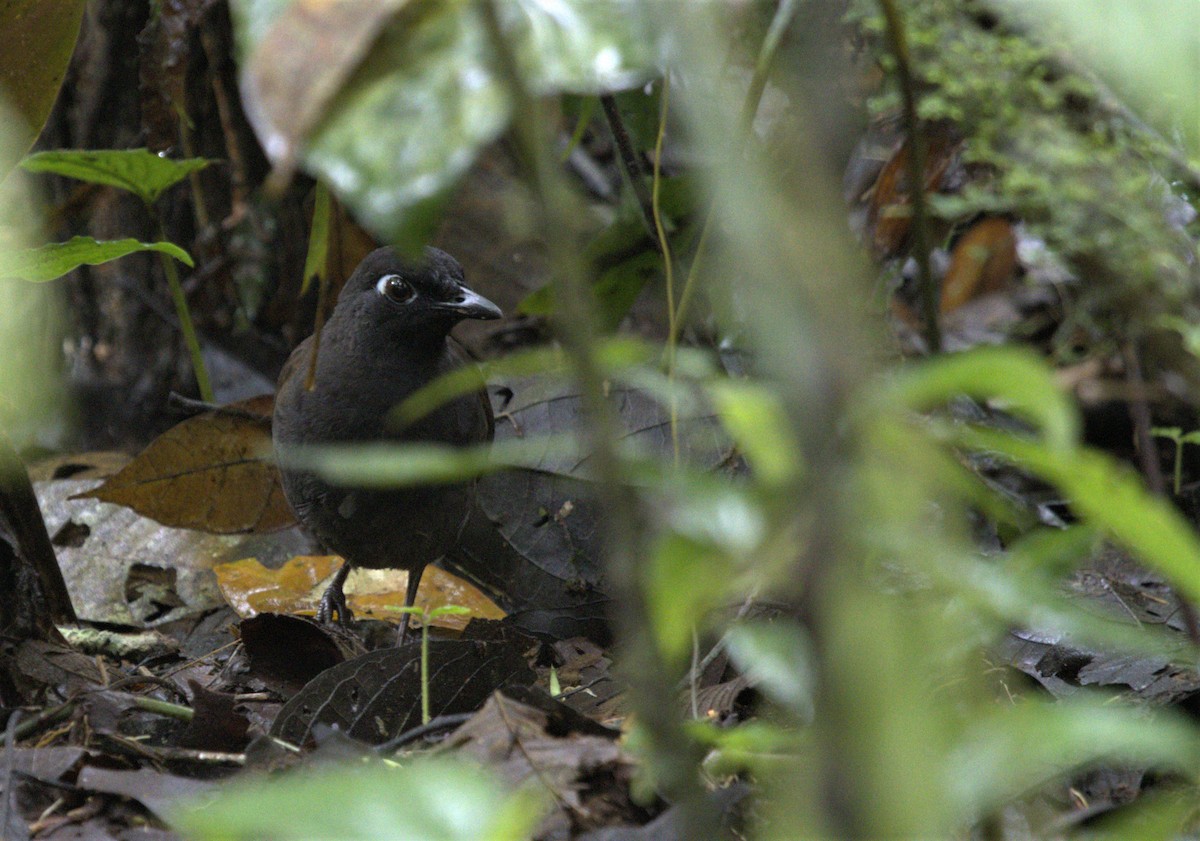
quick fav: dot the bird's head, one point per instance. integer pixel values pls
(406, 297)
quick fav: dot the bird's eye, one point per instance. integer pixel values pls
(395, 289)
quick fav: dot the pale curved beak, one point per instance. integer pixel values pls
(470, 304)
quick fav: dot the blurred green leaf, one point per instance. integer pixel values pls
(1109, 495)
(615, 355)
(318, 238)
(684, 580)
(756, 746)
(616, 289)
(32, 389)
(755, 417)
(1000, 755)
(1155, 62)
(1013, 379)
(439, 799)
(139, 171)
(415, 112)
(386, 465)
(56, 259)
(777, 657)
(39, 38)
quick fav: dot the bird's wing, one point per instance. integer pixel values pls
(296, 365)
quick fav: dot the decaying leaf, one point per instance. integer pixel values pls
(109, 554)
(251, 588)
(216, 724)
(286, 652)
(527, 737)
(210, 473)
(982, 261)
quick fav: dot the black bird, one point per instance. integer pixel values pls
(388, 336)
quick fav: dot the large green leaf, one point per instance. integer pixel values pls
(39, 38)
(1016, 378)
(139, 171)
(58, 258)
(1001, 755)
(390, 124)
(433, 798)
(1109, 495)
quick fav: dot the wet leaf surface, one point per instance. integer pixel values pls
(297, 587)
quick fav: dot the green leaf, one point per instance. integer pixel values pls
(39, 37)
(1171, 432)
(684, 579)
(139, 171)
(1000, 755)
(56, 259)
(425, 98)
(1107, 494)
(318, 238)
(1015, 379)
(778, 658)
(430, 798)
(449, 610)
(755, 417)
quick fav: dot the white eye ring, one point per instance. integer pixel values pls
(395, 288)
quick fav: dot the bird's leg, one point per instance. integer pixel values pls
(410, 597)
(335, 600)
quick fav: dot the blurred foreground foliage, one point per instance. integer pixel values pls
(859, 512)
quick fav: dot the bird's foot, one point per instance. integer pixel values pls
(334, 600)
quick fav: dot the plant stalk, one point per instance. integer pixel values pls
(673, 758)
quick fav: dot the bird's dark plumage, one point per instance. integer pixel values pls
(387, 337)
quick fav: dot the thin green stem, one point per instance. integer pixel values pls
(916, 175)
(630, 164)
(425, 667)
(674, 759)
(668, 261)
(1178, 465)
(166, 708)
(183, 314)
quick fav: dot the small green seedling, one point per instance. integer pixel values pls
(427, 616)
(1174, 433)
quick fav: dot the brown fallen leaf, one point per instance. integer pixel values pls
(286, 652)
(212, 473)
(983, 260)
(296, 587)
(583, 766)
